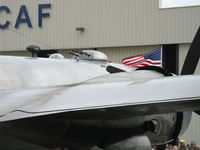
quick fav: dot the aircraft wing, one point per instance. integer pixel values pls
(113, 94)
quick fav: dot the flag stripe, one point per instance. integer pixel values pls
(132, 59)
(135, 61)
(152, 58)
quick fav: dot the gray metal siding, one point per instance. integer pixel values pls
(193, 131)
(118, 53)
(15, 53)
(107, 23)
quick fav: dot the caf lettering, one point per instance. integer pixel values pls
(23, 16)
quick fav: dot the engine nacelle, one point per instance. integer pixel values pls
(106, 133)
(167, 128)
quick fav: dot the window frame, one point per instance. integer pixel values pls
(187, 3)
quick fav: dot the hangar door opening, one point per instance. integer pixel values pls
(170, 54)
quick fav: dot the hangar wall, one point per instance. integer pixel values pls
(193, 131)
(106, 23)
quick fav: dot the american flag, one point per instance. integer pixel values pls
(152, 58)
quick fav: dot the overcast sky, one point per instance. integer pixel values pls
(180, 3)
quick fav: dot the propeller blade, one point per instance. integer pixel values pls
(193, 55)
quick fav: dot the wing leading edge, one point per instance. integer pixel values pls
(124, 97)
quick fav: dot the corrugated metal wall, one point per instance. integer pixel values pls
(107, 23)
(193, 131)
(15, 53)
(117, 54)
